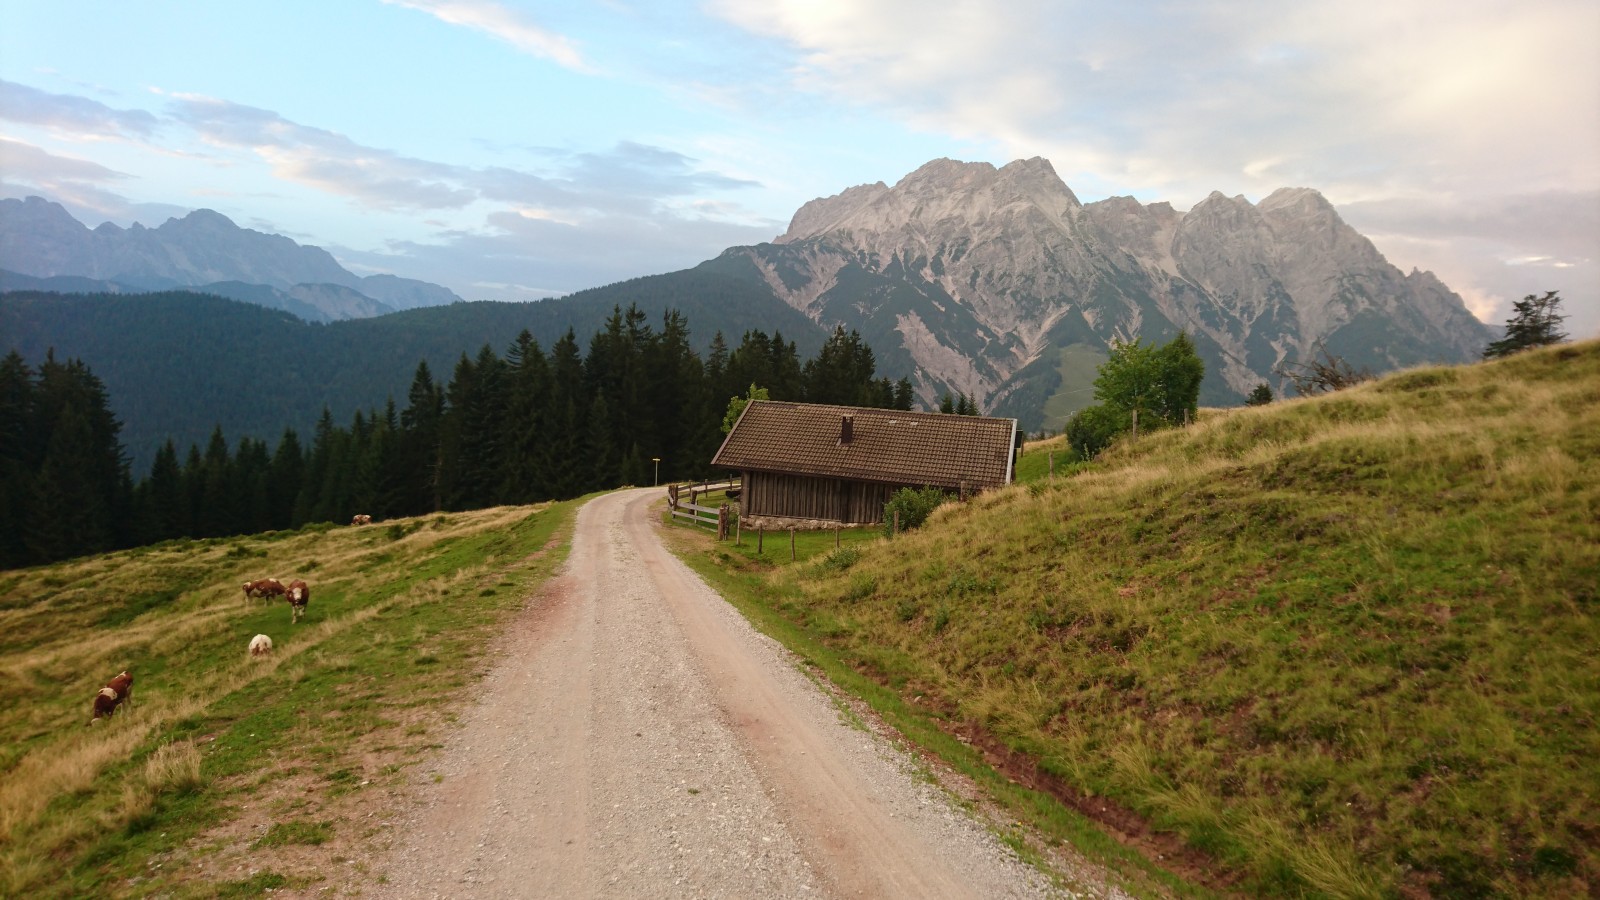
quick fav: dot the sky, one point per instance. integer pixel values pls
(522, 150)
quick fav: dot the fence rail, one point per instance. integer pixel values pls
(714, 516)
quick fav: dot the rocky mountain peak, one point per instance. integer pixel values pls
(978, 279)
(203, 220)
(940, 197)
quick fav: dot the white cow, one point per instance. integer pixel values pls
(260, 645)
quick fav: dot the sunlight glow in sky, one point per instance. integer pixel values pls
(519, 150)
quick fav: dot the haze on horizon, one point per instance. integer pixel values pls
(524, 150)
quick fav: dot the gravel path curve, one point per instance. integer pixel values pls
(639, 739)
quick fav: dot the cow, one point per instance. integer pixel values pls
(361, 520)
(266, 587)
(117, 691)
(260, 645)
(298, 595)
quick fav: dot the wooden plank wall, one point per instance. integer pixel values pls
(801, 497)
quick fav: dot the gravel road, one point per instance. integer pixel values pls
(637, 738)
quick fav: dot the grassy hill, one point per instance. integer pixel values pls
(230, 775)
(1342, 646)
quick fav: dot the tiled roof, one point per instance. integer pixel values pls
(886, 445)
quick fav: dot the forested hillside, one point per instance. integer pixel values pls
(178, 364)
(521, 427)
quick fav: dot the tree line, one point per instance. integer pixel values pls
(636, 406)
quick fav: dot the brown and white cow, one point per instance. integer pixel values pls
(117, 691)
(261, 645)
(298, 595)
(266, 587)
(362, 519)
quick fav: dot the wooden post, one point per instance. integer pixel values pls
(836, 537)
(672, 496)
(895, 528)
(722, 522)
(1052, 465)
(761, 533)
(1136, 424)
(791, 544)
(1186, 417)
(738, 531)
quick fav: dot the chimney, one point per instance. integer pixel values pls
(847, 427)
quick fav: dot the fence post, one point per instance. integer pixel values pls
(1136, 424)
(1052, 465)
(761, 533)
(738, 530)
(672, 496)
(895, 528)
(836, 537)
(791, 544)
(722, 522)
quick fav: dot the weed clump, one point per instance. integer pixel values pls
(839, 560)
(308, 833)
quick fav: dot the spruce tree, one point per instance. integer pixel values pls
(16, 457)
(1537, 323)
(421, 447)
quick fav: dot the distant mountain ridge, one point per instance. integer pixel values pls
(204, 250)
(985, 281)
(964, 277)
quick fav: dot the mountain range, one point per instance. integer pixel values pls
(42, 247)
(964, 277)
(999, 283)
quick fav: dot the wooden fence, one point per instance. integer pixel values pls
(713, 516)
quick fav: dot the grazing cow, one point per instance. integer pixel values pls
(298, 595)
(260, 645)
(361, 520)
(117, 691)
(266, 587)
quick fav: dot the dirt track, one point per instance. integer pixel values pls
(639, 739)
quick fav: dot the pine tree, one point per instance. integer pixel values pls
(527, 422)
(162, 503)
(17, 457)
(570, 470)
(421, 448)
(1537, 323)
(285, 478)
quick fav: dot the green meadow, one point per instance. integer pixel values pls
(227, 775)
(1341, 646)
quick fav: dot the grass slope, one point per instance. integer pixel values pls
(1079, 366)
(1343, 646)
(223, 760)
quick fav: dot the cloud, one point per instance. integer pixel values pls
(1460, 138)
(38, 166)
(631, 178)
(499, 261)
(325, 160)
(1180, 98)
(504, 24)
(75, 184)
(77, 115)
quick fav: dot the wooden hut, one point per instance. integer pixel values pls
(810, 463)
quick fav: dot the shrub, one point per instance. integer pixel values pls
(1093, 428)
(838, 560)
(914, 505)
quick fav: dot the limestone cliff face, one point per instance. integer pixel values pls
(976, 278)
